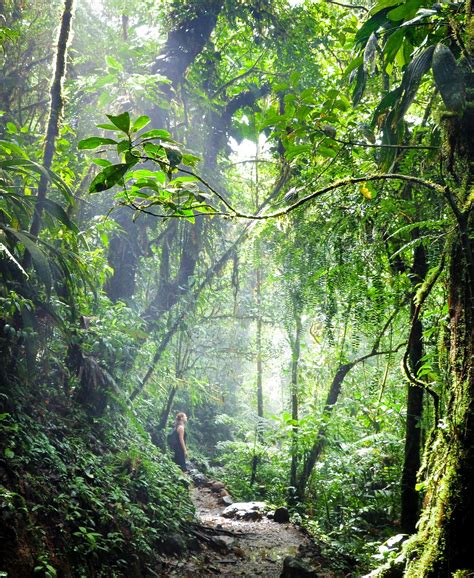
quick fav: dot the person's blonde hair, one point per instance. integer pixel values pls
(180, 418)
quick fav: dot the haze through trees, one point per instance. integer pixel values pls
(259, 213)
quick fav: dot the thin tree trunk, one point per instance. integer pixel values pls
(54, 112)
(167, 409)
(259, 432)
(295, 359)
(258, 289)
(410, 505)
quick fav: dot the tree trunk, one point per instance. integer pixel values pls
(54, 112)
(124, 254)
(184, 43)
(258, 290)
(320, 441)
(410, 506)
(170, 289)
(258, 302)
(443, 544)
(295, 359)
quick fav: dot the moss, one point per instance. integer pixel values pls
(389, 570)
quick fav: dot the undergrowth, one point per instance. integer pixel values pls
(84, 496)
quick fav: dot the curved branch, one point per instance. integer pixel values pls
(375, 146)
(350, 6)
(332, 397)
(239, 77)
(336, 185)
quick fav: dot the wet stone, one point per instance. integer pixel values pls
(294, 568)
(174, 545)
(226, 501)
(239, 509)
(281, 516)
(199, 480)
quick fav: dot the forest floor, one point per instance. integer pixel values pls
(247, 548)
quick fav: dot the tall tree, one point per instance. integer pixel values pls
(409, 497)
(56, 106)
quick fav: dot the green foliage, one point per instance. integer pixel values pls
(144, 189)
(114, 495)
(265, 102)
(271, 482)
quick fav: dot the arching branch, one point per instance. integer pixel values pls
(331, 400)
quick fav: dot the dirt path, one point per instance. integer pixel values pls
(248, 548)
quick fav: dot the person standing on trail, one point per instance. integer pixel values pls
(177, 440)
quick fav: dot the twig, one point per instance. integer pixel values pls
(352, 6)
(376, 146)
(239, 77)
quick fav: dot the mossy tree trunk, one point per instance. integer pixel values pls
(443, 545)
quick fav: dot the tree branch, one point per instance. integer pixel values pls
(332, 397)
(239, 77)
(336, 185)
(350, 6)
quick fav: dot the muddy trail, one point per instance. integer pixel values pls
(248, 544)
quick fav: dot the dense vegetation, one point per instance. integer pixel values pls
(256, 212)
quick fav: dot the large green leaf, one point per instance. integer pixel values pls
(156, 133)
(392, 135)
(405, 11)
(93, 142)
(38, 258)
(393, 45)
(412, 79)
(140, 123)
(386, 103)
(121, 121)
(10, 257)
(59, 213)
(109, 177)
(361, 81)
(371, 25)
(12, 148)
(383, 4)
(24, 166)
